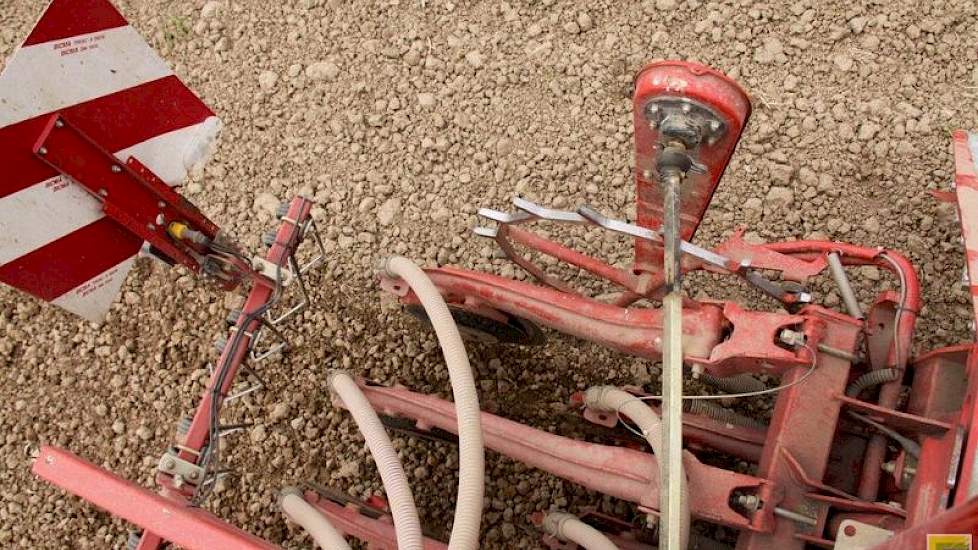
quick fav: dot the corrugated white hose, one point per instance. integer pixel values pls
(567, 527)
(612, 399)
(310, 519)
(407, 526)
(471, 482)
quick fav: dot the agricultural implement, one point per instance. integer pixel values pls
(868, 446)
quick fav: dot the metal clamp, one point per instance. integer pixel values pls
(181, 470)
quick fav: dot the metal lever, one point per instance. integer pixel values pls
(545, 213)
(618, 226)
(761, 282)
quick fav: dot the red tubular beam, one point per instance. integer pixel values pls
(187, 527)
(377, 533)
(803, 427)
(260, 294)
(890, 392)
(637, 331)
(597, 267)
(616, 471)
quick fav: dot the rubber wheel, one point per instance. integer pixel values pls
(479, 328)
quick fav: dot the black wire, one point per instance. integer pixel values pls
(212, 453)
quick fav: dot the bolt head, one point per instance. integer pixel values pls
(42, 151)
(59, 123)
(116, 169)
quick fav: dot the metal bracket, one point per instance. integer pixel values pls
(182, 470)
(855, 535)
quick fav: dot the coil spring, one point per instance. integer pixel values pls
(872, 379)
(742, 383)
(720, 414)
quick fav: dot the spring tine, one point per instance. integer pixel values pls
(487, 232)
(504, 217)
(545, 213)
(618, 226)
(229, 429)
(242, 393)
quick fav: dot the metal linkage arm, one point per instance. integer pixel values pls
(706, 256)
(617, 471)
(181, 524)
(377, 531)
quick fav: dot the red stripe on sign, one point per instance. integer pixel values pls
(115, 122)
(67, 18)
(62, 265)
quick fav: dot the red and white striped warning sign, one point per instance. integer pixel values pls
(85, 61)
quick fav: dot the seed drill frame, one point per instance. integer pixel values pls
(868, 446)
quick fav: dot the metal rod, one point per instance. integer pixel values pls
(848, 296)
(672, 368)
(795, 516)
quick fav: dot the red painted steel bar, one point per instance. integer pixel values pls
(620, 277)
(288, 233)
(378, 533)
(803, 425)
(617, 471)
(191, 528)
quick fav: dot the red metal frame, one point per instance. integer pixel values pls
(699, 83)
(176, 522)
(819, 462)
(193, 528)
(130, 193)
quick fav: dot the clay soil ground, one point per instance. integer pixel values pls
(415, 113)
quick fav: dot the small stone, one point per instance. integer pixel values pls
(389, 211)
(210, 9)
(867, 130)
(324, 70)
(267, 80)
(101, 409)
(571, 27)
(144, 433)
(279, 412)
(870, 272)
(872, 225)
(665, 5)
(842, 62)
(266, 202)
(426, 100)
(474, 58)
(584, 22)
(258, 433)
(119, 427)
(779, 197)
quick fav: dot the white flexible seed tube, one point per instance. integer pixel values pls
(407, 526)
(567, 527)
(611, 399)
(310, 519)
(471, 483)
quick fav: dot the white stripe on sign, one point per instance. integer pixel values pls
(174, 155)
(41, 213)
(47, 211)
(92, 298)
(88, 66)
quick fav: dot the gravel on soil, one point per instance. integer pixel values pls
(401, 118)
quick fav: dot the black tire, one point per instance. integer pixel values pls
(479, 328)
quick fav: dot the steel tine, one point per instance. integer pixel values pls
(545, 213)
(618, 226)
(488, 232)
(504, 217)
